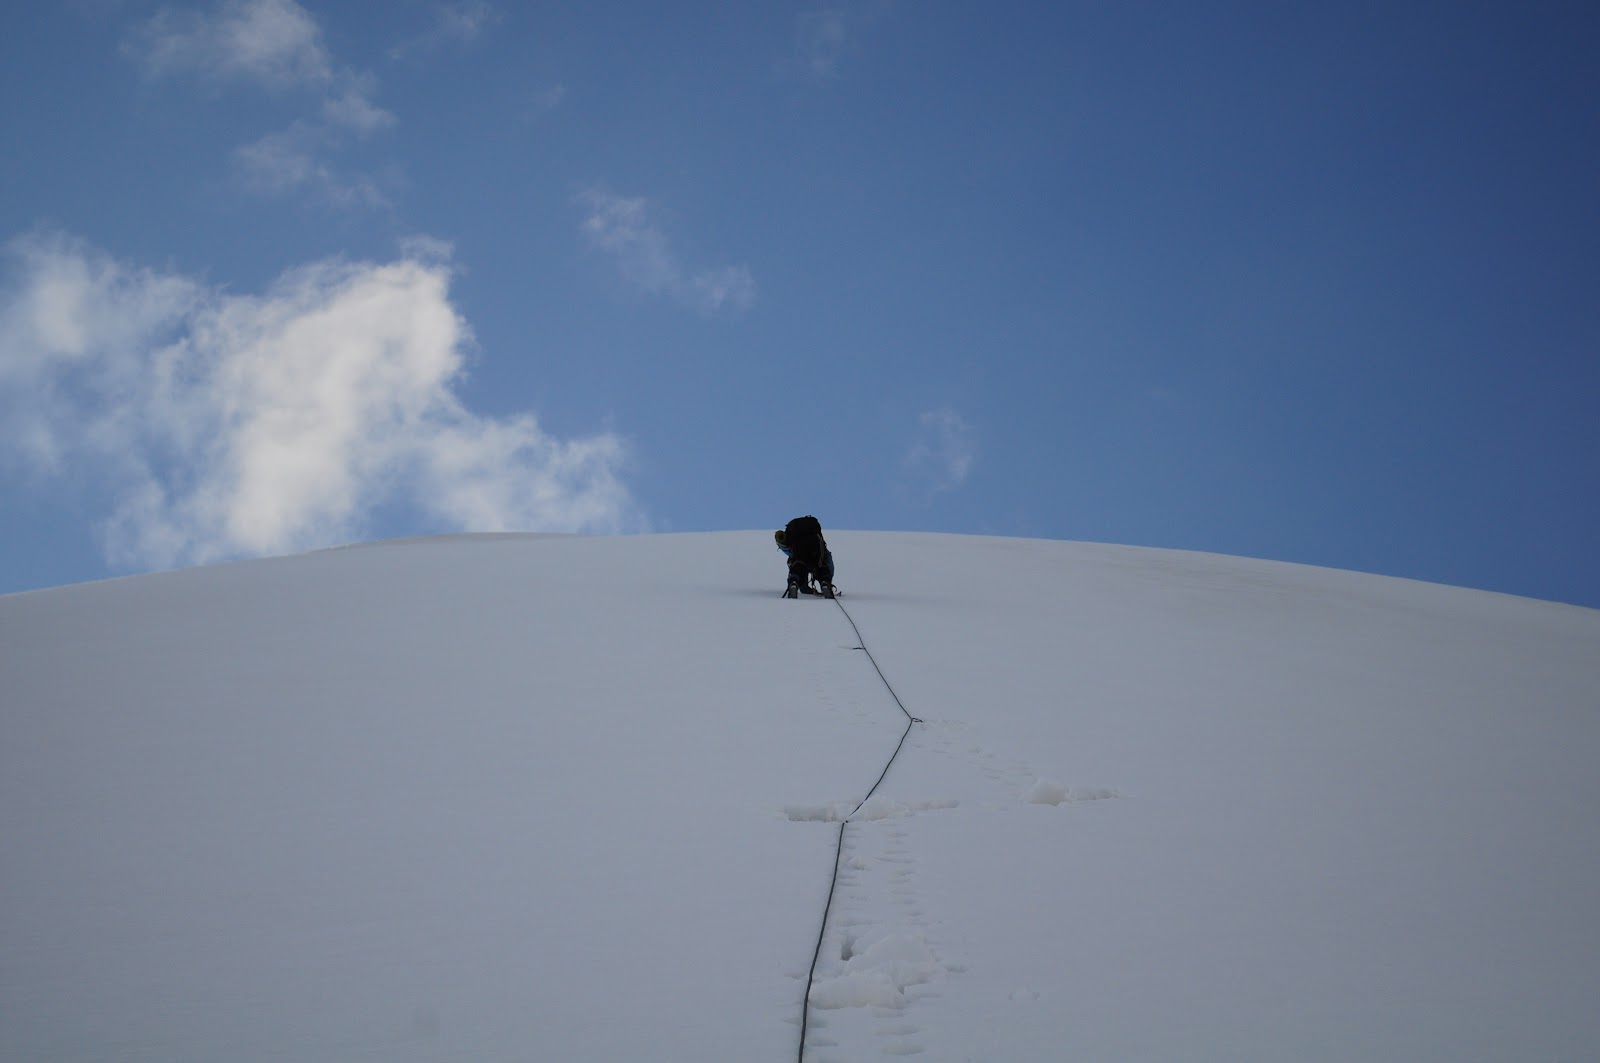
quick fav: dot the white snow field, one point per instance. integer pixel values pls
(528, 798)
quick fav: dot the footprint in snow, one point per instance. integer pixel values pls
(1051, 793)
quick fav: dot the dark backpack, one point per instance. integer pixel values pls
(803, 536)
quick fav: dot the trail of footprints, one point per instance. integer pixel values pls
(1011, 780)
(875, 963)
(879, 961)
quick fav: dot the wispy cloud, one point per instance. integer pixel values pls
(351, 107)
(944, 452)
(275, 45)
(543, 102)
(820, 40)
(302, 159)
(231, 425)
(625, 229)
(456, 23)
(824, 36)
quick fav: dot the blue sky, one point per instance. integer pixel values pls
(1312, 283)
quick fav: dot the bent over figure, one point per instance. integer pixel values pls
(809, 557)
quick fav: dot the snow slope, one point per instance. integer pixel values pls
(567, 798)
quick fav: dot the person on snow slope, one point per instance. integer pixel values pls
(809, 557)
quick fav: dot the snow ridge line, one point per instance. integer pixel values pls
(838, 847)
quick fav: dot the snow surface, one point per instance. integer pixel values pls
(576, 798)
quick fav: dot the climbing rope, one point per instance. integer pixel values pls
(861, 644)
(838, 847)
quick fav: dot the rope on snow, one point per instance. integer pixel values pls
(838, 848)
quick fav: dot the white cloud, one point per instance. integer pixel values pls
(730, 286)
(621, 227)
(624, 229)
(351, 107)
(543, 102)
(281, 161)
(301, 159)
(825, 35)
(231, 425)
(276, 43)
(944, 452)
(464, 20)
(459, 22)
(820, 40)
